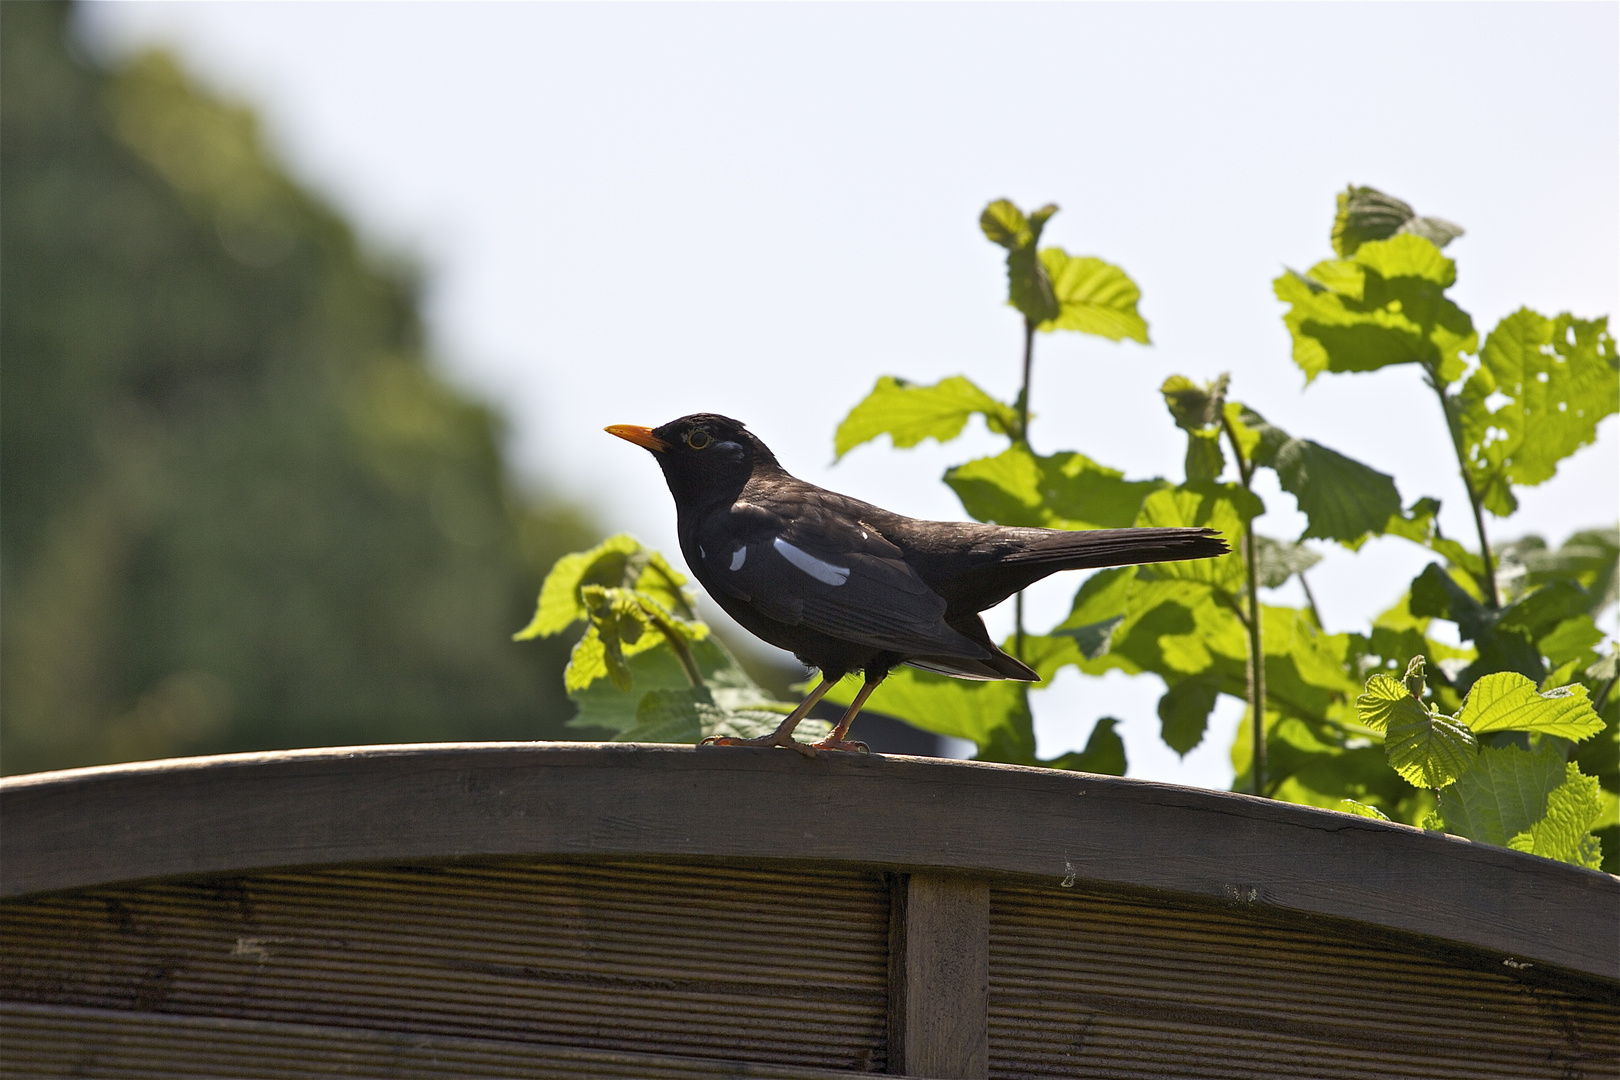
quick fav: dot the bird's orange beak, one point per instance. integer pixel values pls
(641, 436)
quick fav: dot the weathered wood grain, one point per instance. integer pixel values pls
(297, 808)
(939, 983)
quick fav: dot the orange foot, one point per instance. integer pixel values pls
(848, 745)
(786, 741)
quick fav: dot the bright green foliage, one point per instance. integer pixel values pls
(647, 669)
(1226, 507)
(1368, 214)
(1502, 793)
(1507, 701)
(1361, 809)
(1093, 297)
(995, 715)
(1560, 378)
(909, 413)
(1056, 491)
(1029, 286)
(1184, 711)
(1426, 747)
(1341, 498)
(1573, 808)
(1384, 305)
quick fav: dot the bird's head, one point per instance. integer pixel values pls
(705, 457)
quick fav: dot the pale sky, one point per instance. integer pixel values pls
(627, 212)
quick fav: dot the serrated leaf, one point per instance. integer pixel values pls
(1341, 498)
(909, 413)
(1003, 223)
(1385, 305)
(1502, 793)
(1384, 696)
(1276, 560)
(1184, 712)
(1427, 748)
(1507, 701)
(1104, 752)
(1559, 377)
(988, 713)
(1057, 491)
(1093, 297)
(1226, 507)
(559, 606)
(1564, 833)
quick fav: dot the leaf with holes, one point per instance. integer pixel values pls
(1541, 388)
(1507, 701)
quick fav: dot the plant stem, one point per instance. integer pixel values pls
(1023, 437)
(678, 645)
(1023, 390)
(1310, 600)
(1448, 407)
(1257, 656)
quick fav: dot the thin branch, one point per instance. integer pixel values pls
(1454, 426)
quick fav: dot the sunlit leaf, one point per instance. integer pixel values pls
(987, 713)
(909, 413)
(1093, 297)
(1507, 701)
(1195, 407)
(1385, 305)
(1502, 793)
(619, 562)
(1554, 379)
(1029, 287)
(1425, 747)
(1226, 507)
(1361, 809)
(1573, 808)
(1057, 491)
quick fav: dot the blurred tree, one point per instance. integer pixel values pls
(238, 509)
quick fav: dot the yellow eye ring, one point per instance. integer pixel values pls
(697, 438)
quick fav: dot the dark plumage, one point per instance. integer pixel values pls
(848, 586)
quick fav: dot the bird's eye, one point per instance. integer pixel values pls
(697, 438)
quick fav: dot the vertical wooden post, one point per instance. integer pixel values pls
(939, 977)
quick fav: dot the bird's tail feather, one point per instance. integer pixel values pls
(1093, 548)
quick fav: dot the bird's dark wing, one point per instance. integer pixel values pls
(838, 576)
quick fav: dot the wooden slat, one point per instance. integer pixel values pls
(1091, 986)
(43, 1041)
(788, 967)
(230, 814)
(939, 988)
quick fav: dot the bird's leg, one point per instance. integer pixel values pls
(783, 735)
(835, 738)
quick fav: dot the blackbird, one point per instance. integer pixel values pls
(847, 586)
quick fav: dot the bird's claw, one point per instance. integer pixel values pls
(852, 746)
(787, 743)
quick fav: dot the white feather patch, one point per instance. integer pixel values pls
(739, 557)
(824, 572)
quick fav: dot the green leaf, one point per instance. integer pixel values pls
(1104, 752)
(989, 713)
(1368, 214)
(1093, 297)
(909, 413)
(1361, 809)
(1184, 711)
(1507, 701)
(1502, 793)
(1425, 747)
(1565, 832)
(1502, 646)
(1419, 523)
(1559, 378)
(1059, 491)
(1194, 407)
(619, 562)
(1385, 305)
(1226, 507)
(1276, 560)
(1029, 286)
(1341, 498)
